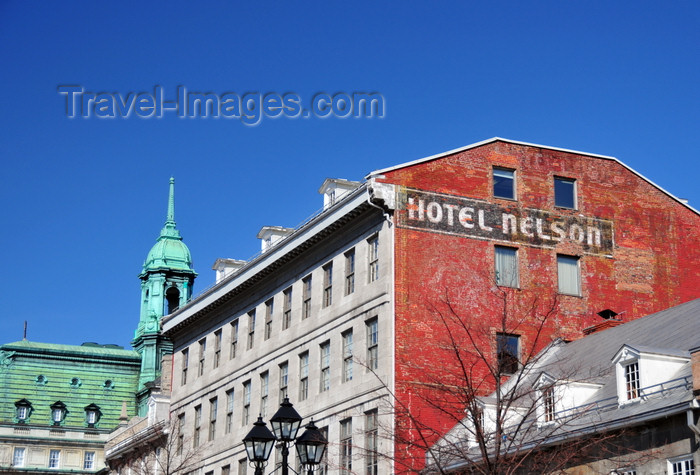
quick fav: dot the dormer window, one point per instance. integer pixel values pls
(23, 409)
(58, 413)
(92, 414)
(546, 392)
(75, 383)
(548, 404)
(632, 380)
(41, 380)
(642, 371)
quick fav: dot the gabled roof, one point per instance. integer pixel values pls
(419, 161)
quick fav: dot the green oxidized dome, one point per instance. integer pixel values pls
(169, 251)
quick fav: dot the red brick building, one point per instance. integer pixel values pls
(625, 244)
(375, 314)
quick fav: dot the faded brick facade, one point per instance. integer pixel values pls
(652, 262)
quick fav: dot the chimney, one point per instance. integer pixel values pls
(695, 369)
(609, 321)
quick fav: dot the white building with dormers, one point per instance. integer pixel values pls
(636, 386)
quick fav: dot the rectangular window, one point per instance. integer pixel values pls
(180, 433)
(325, 366)
(246, 404)
(569, 275)
(242, 466)
(346, 447)
(632, 380)
(54, 458)
(226, 470)
(18, 457)
(372, 343)
(371, 447)
(506, 259)
(284, 380)
(682, 466)
(217, 348)
(347, 356)
(202, 355)
(373, 245)
(323, 467)
(508, 352)
(306, 303)
(304, 376)
(234, 339)
(88, 460)
(504, 183)
(350, 272)
(251, 329)
(213, 411)
(229, 411)
(564, 192)
(327, 284)
(264, 392)
(197, 425)
(548, 402)
(287, 310)
(185, 364)
(269, 308)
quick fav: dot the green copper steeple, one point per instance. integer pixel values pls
(166, 284)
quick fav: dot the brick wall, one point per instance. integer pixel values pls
(445, 290)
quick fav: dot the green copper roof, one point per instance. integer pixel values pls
(169, 252)
(77, 376)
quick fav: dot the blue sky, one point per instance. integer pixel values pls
(84, 199)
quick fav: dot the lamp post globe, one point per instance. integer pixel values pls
(286, 422)
(258, 445)
(310, 446)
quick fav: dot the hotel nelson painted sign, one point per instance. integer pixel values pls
(449, 214)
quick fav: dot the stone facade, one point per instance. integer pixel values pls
(623, 244)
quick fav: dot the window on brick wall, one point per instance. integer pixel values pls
(506, 259)
(508, 353)
(306, 302)
(568, 273)
(564, 192)
(504, 183)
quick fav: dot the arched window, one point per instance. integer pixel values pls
(172, 297)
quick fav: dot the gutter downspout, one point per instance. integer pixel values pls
(690, 414)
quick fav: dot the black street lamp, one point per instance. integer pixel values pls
(285, 425)
(258, 444)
